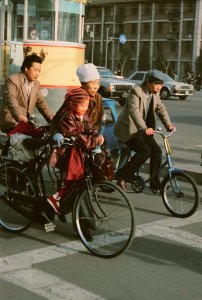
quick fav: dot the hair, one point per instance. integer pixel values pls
(29, 60)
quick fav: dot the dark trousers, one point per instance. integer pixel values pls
(145, 147)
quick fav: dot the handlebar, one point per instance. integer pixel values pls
(159, 131)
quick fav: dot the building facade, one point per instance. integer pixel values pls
(159, 34)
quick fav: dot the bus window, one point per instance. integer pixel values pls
(17, 20)
(41, 20)
(68, 21)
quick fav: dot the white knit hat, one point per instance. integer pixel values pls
(87, 72)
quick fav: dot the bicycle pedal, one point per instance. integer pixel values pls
(49, 227)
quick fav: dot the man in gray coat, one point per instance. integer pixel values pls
(22, 94)
(135, 128)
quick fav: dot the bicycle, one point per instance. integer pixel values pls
(179, 190)
(101, 212)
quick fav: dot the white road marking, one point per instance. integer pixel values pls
(48, 286)
(19, 269)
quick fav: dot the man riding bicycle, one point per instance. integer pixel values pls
(135, 128)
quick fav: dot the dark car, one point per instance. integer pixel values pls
(112, 87)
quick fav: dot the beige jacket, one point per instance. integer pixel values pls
(15, 102)
(132, 116)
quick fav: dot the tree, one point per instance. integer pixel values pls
(163, 62)
(123, 56)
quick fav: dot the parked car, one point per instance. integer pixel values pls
(111, 87)
(170, 86)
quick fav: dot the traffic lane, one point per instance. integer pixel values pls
(62, 259)
(78, 272)
(152, 269)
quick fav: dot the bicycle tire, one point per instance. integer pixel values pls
(138, 184)
(15, 187)
(180, 194)
(105, 220)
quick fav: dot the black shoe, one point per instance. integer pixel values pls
(156, 188)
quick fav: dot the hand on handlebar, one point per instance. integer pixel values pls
(171, 128)
(100, 140)
(58, 138)
(149, 131)
(22, 118)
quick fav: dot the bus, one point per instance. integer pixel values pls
(52, 29)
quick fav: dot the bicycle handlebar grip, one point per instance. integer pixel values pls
(58, 138)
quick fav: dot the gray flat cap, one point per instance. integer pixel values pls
(155, 76)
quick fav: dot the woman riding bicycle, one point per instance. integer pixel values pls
(135, 128)
(74, 121)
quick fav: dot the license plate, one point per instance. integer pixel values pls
(187, 93)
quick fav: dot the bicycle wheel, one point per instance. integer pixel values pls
(138, 184)
(180, 194)
(104, 219)
(15, 189)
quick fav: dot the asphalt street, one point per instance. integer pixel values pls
(163, 262)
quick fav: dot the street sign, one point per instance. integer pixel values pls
(122, 38)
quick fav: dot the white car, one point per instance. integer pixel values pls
(170, 86)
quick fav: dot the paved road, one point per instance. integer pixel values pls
(164, 261)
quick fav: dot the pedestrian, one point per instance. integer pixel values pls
(135, 128)
(22, 94)
(74, 121)
(198, 82)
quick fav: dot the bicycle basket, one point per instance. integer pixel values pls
(101, 166)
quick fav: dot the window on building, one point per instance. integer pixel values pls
(145, 30)
(119, 29)
(109, 13)
(97, 29)
(133, 29)
(146, 11)
(189, 9)
(173, 47)
(132, 10)
(187, 29)
(120, 14)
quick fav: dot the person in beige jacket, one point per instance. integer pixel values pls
(22, 94)
(135, 128)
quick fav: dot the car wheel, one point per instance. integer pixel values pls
(164, 94)
(121, 101)
(182, 97)
(102, 91)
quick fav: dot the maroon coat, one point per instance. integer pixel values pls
(71, 125)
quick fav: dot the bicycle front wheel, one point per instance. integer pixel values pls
(180, 194)
(105, 219)
(15, 187)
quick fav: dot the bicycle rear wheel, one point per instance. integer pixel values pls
(15, 189)
(105, 219)
(180, 194)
